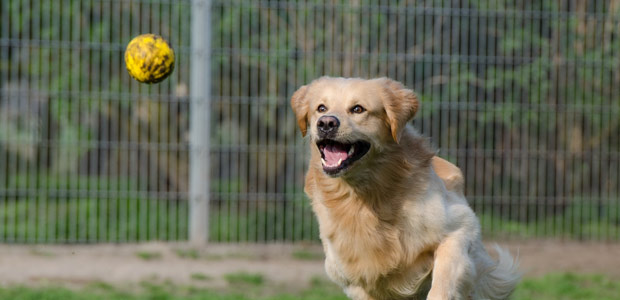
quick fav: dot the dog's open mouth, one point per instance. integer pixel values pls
(336, 156)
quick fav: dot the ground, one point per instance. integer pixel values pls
(290, 268)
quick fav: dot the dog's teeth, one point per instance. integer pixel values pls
(351, 150)
(331, 166)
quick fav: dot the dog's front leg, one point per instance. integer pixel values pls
(453, 270)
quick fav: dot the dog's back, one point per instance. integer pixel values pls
(449, 173)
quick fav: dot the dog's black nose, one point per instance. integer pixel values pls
(327, 124)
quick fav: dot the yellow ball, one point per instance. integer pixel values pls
(149, 58)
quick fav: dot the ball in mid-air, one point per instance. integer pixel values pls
(149, 58)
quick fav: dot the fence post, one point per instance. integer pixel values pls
(200, 89)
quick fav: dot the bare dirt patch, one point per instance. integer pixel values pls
(539, 257)
(289, 266)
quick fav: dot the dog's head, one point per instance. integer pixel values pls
(348, 118)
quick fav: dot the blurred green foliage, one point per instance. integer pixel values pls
(522, 95)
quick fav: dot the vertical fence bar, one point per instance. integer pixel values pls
(199, 122)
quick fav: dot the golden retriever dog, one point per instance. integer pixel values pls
(393, 219)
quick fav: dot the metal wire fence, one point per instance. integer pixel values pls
(524, 96)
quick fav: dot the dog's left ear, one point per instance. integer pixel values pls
(299, 103)
(400, 104)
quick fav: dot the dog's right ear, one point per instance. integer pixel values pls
(299, 103)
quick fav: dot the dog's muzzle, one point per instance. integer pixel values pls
(327, 126)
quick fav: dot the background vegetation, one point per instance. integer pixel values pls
(522, 95)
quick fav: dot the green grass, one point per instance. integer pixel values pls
(200, 276)
(304, 254)
(233, 222)
(568, 286)
(245, 278)
(581, 221)
(187, 253)
(148, 255)
(118, 219)
(550, 287)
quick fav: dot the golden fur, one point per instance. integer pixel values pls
(395, 224)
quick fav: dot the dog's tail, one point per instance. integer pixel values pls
(499, 281)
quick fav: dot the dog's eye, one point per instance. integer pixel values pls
(358, 109)
(321, 108)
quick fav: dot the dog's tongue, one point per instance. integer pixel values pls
(334, 153)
